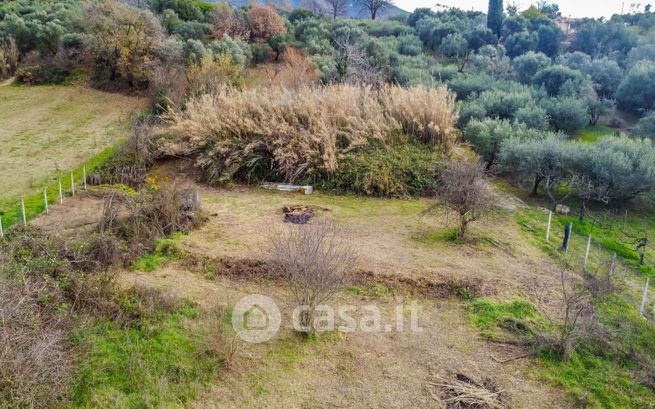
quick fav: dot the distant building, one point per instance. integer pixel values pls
(566, 24)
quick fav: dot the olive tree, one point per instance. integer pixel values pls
(646, 126)
(488, 135)
(528, 64)
(636, 93)
(567, 114)
(540, 162)
(622, 167)
(553, 78)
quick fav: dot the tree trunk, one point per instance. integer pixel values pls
(463, 224)
(490, 163)
(583, 209)
(535, 187)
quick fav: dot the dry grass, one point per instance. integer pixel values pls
(293, 132)
(463, 392)
(51, 129)
(426, 113)
(36, 360)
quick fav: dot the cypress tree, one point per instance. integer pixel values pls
(495, 16)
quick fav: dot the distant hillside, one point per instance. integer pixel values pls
(354, 10)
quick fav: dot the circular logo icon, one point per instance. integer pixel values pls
(256, 318)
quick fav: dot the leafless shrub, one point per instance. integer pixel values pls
(295, 71)
(354, 64)
(599, 285)
(463, 392)
(223, 339)
(313, 259)
(35, 356)
(465, 190)
(293, 132)
(576, 321)
(155, 212)
(47, 286)
(36, 359)
(130, 164)
(168, 86)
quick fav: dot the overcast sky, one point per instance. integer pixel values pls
(574, 8)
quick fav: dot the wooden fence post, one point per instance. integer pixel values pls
(72, 185)
(612, 265)
(84, 176)
(2, 233)
(550, 218)
(61, 193)
(22, 205)
(45, 200)
(586, 254)
(567, 237)
(644, 296)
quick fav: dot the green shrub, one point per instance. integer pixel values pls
(637, 90)
(405, 169)
(567, 114)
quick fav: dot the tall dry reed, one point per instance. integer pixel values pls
(304, 129)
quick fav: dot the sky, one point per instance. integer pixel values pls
(573, 8)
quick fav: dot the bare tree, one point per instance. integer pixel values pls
(315, 6)
(374, 6)
(313, 258)
(466, 191)
(337, 7)
(588, 191)
(577, 318)
(354, 65)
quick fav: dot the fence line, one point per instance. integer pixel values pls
(21, 212)
(580, 254)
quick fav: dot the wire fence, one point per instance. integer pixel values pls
(36, 204)
(586, 253)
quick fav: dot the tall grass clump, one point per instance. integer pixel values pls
(281, 133)
(425, 112)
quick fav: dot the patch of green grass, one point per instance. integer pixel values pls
(35, 203)
(157, 363)
(602, 372)
(436, 237)
(608, 234)
(597, 375)
(608, 375)
(593, 133)
(165, 250)
(508, 322)
(376, 291)
(48, 130)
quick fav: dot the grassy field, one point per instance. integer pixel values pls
(593, 133)
(49, 130)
